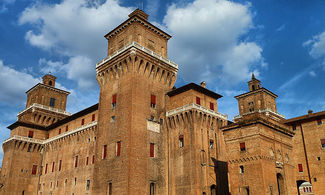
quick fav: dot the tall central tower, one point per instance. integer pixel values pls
(134, 79)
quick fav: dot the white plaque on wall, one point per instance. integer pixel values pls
(153, 126)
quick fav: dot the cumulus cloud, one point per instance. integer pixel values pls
(317, 47)
(312, 73)
(14, 84)
(74, 29)
(207, 40)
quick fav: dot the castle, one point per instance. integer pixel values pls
(147, 137)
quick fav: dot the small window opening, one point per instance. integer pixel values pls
(319, 122)
(300, 168)
(76, 161)
(114, 101)
(52, 102)
(50, 83)
(30, 134)
(198, 101)
(153, 101)
(181, 141)
(34, 170)
(242, 147)
(93, 117)
(241, 169)
(211, 144)
(104, 151)
(211, 106)
(152, 150)
(88, 185)
(322, 142)
(118, 148)
(152, 188)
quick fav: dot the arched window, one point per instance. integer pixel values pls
(152, 188)
(50, 83)
(213, 189)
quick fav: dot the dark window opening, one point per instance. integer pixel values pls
(242, 147)
(211, 106)
(34, 170)
(76, 161)
(66, 128)
(315, 179)
(60, 165)
(110, 188)
(319, 122)
(50, 83)
(53, 166)
(241, 169)
(46, 168)
(82, 121)
(93, 117)
(30, 134)
(118, 148)
(322, 142)
(211, 144)
(153, 101)
(181, 141)
(114, 101)
(59, 131)
(294, 127)
(198, 101)
(52, 102)
(300, 168)
(104, 151)
(152, 188)
(88, 185)
(152, 150)
(318, 158)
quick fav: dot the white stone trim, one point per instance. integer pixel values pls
(266, 111)
(48, 108)
(38, 141)
(198, 107)
(140, 47)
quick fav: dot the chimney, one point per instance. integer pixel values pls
(203, 84)
(310, 111)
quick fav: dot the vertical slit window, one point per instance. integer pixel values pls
(93, 160)
(152, 188)
(241, 169)
(93, 117)
(52, 102)
(153, 101)
(114, 101)
(211, 143)
(76, 161)
(53, 164)
(300, 168)
(66, 128)
(46, 168)
(60, 165)
(104, 151)
(118, 148)
(59, 131)
(152, 150)
(88, 185)
(87, 160)
(83, 121)
(110, 188)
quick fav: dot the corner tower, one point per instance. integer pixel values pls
(133, 80)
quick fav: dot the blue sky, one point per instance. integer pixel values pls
(219, 41)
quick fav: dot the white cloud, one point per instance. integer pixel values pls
(14, 84)
(281, 28)
(4, 5)
(312, 73)
(317, 46)
(74, 29)
(207, 37)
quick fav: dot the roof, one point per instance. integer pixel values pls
(47, 86)
(306, 118)
(54, 125)
(137, 15)
(255, 91)
(195, 87)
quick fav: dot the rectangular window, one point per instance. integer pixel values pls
(104, 151)
(319, 122)
(57, 183)
(114, 101)
(153, 101)
(181, 141)
(34, 170)
(87, 160)
(60, 165)
(242, 147)
(66, 128)
(88, 185)
(110, 188)
(30, 134)
(211, 106)
(112, 119)
(198, 101)
(241, 169)
(59, 131)
(118, 148)
(152, 188)
(83, 121)
(76, 162)
(300, 168)
(152, 150)
(322, 142)
(211, 144)
(52, 102)
(45, 168)
(75, 181)
(93, 160)
(93, 117)
(53, 166)
(294, 127)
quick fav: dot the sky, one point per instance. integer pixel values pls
(218, 41)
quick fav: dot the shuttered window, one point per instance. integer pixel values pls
(30, 134)
(198, 101)
(104, 151)
(322, 142)
(114, 101)
(300, 168)
(211, 106)
(118, 148)
(83, 121)
(152, 150)
(153, 101)
(93, 117)
(34, 170)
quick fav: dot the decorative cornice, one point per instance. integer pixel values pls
(47, 87)
(47, 141)
(257, 91)
(47, 108)
(140, 47)
(266, 111)
(198, 107)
